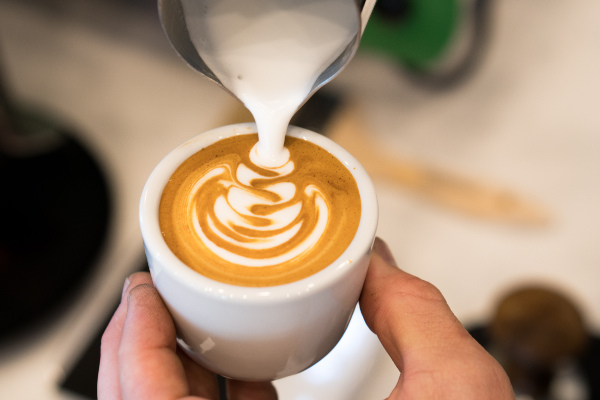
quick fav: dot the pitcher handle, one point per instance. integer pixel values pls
(365, 14)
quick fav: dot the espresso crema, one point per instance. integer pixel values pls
(234, 221)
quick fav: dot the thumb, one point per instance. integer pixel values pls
(409, 315)
(435, 354)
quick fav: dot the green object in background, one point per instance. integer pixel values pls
(415, 33)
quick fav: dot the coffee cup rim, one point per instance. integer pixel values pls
(169, 263)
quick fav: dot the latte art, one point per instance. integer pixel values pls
(237, 222)
(257, 220)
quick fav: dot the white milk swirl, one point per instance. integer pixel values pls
(234, 221)
(243, 224)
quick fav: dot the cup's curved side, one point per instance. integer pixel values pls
(258, 342)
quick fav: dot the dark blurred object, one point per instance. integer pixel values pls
(438, 43)
(534, 333)
(318, 111)
(55, 214)
(82, 378)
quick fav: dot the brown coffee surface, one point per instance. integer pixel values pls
(239, 223)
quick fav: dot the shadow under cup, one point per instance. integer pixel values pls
(250, 333)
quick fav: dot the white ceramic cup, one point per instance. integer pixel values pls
(249, 333)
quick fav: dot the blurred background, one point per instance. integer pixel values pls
(478, 120)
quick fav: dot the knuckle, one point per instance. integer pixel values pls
(422, 289)
(410, 287)
(407, 293)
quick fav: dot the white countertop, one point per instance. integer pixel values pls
(528, 120)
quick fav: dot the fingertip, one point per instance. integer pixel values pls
(381, 277)
(134, 280)
(382, 249)
(148, 317)
(382, 266)
(144, 293)
(140, 277)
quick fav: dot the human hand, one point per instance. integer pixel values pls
(436, 356)
(140, 358)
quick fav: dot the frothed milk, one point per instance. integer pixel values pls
(269, 53)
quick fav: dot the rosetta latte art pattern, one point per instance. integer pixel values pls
(256, 220)
(236, 222)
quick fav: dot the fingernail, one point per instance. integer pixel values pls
(381, 248)
(125, 286)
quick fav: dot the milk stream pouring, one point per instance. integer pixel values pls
(269, 53)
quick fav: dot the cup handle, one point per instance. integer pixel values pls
(365, 14)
